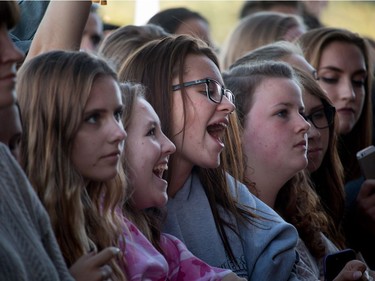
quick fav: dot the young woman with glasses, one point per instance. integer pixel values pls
(275, 142)
(213, 214)
(343, 61)
(324, 166)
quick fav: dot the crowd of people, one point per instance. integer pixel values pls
(148, 153)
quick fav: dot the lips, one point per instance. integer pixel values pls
(312, 150)
(301, 143)
(346, 110)
(217, 130)
(112, 154)
(159, 169)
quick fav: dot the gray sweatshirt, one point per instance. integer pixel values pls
(267, 250)
(28, 248)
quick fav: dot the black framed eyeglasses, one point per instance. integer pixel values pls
(322, 118)
(213, 89)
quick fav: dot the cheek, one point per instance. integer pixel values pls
(360, 100)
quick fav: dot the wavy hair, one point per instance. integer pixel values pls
(328, 178)
(155, 65)
(313, 44)
(296, 201)
(254, 31)
(53, 90)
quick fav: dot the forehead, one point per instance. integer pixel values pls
(200, 66)
(104, 90)
(311, 100)
(143, 113)
(343, 53)
(272, 91)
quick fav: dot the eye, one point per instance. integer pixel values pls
(282, 113)
(118, 114)
(328, 80)
(318, 115)
(14, 142)
(358, 83)
(93, 118)
(151, 132)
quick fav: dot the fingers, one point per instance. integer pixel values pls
(367, 189)
(105, 256)
(106, 273)
(353, 270)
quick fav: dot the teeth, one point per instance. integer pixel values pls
(217, 130)
(159, 169)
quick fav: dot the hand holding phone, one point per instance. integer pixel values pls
(334, 263)
(366, 159)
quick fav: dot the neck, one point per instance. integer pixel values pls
(267, 184)
(181, 172)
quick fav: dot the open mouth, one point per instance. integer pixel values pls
(217, 131)
(159, 170)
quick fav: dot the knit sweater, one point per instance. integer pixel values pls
(28, 248)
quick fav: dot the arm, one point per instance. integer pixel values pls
(61, 27)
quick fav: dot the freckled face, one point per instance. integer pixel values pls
(99, 141)
(342, 72)
(275, 132)
(147, 151)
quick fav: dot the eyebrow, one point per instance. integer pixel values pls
(288, 104)
(317, 107)
(333, 68)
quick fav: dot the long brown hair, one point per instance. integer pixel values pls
(313, 44)
(53, 90)
(155, 65)
(296, 201)
(328, 179)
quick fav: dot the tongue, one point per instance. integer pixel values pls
(215, 130)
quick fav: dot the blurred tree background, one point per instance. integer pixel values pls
(357, 16)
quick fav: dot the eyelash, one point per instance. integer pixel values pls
(151, 132)
(118, 114)
(356, 83)
(93, 118)
(282, 113)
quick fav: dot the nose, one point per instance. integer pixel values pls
(347, 91)
(303, 125)
(10, 53)
(313, 132)
(226, 105)
(117, 133)
(168, 147)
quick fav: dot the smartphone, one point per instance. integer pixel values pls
(334, 263)
(366, 159)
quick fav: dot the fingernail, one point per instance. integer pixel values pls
(116, 251)
(357, 274)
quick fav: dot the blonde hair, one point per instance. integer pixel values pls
(254, 31)
(53, 90)
(122, 42)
